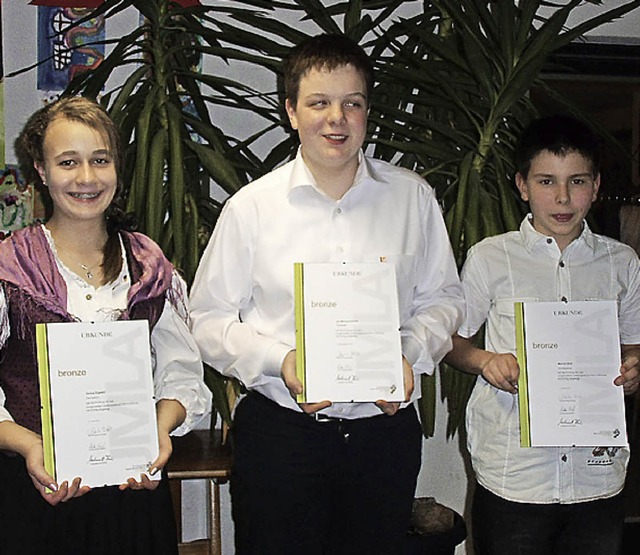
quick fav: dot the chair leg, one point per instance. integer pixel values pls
(215, 535)
(175, 486)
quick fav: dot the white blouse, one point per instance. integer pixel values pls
(175, 356)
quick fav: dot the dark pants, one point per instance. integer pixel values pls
(502, 527)
(304, 487)
(105, 521)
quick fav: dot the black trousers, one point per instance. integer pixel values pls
(105, 521)
(502, 527)
(305, 487)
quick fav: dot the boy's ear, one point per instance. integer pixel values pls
(291, 112)
(521, 184)
(596, 187)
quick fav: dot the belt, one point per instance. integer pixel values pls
(323, 418)
(343, 425)
(316, 416)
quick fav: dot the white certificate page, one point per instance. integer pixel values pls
(102, 408)
(350, 335)
(569, 355)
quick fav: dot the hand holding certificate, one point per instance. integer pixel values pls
(569, 355)
(347, 333)
(98, 408)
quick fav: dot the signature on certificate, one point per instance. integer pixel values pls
(97, 459)
(569, 422)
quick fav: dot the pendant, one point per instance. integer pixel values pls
(87, 271)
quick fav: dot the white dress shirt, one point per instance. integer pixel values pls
(242, 302)
(525, 265)
(176, 360)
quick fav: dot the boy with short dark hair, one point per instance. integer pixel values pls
(544, 500)
(323, 478)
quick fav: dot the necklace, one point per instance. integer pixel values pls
(70, 257)
(87, 270)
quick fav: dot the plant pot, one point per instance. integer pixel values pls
(435, 529)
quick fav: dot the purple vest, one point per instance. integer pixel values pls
(36, 293)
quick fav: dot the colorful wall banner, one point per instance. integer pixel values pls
(67, 52)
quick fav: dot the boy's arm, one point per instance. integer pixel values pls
(630, 370)
(500, 370)
(222, 287)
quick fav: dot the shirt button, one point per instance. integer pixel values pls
(338, 210)
(549, 240)
(89, 297)
(564, 458)
(564, 299)
(561, 264)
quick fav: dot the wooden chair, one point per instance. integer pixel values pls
(200, 455)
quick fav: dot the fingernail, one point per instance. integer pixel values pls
(153, 470)
(53, 487)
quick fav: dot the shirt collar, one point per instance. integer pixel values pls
(531, 237)
(301, 177)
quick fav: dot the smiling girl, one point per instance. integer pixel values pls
(84, 265)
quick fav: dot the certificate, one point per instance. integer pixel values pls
(347, 332)
(98, 407)
(569, 355)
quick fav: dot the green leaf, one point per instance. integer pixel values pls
(176, 182)
(427, 404)
(217, 383)
(217, 165)
(153, 193)
(136, 202)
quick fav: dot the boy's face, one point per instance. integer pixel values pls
(331, 119)
(560, 191)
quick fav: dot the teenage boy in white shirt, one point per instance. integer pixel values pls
(323, 478)
(544, 500)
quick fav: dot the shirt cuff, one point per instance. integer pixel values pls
(196, 406)
(411, 349)
(4, 415)
(274, 358)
